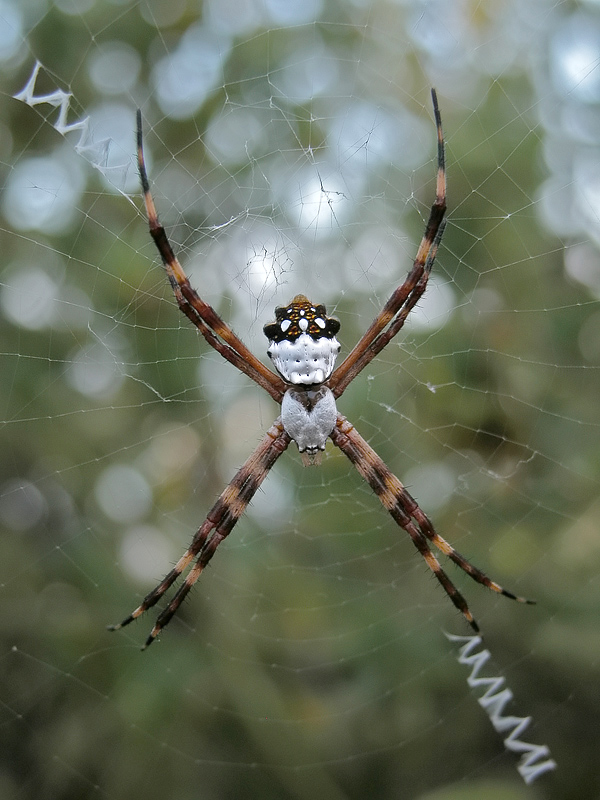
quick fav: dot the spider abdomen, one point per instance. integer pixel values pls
(309, 416)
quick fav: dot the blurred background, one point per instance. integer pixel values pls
(291, 148)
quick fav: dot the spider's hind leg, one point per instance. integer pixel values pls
(218, 524)
(405, 511)
(426, 526)
(155, 595)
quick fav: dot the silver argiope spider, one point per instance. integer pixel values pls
(303, 347)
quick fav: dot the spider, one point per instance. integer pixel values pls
(303, 348)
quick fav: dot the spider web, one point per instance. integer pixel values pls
(291, 148)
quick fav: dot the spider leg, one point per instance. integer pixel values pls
(218, 524)
(404, 298)
(386, 336)
(404, 509)
(214, 329)
(426, 526)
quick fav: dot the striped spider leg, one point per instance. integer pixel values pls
(393, 315)
(405, 511)
(303, 348)
(218, 524)
(214, 329)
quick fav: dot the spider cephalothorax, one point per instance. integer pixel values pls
(303, 348)
(302, 343)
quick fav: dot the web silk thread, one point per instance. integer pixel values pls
(493, 702)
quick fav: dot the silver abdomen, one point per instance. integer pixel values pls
(308, 416)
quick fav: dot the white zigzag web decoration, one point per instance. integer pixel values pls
(493, 702)
(96, 153)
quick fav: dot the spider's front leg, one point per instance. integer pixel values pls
(212, 327)
(392, 316)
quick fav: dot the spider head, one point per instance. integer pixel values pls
(302, 343)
